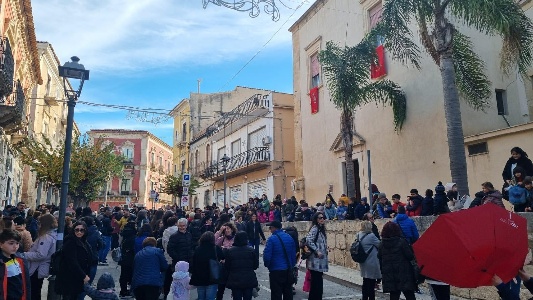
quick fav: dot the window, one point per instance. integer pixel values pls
(236, 147)
(501, 102)
(48, 85)
(315, 71)
(479, 148)
(45, 128)
(152, 157)
(374, 15)
(127, 152)
(175, 168)
(208, 154)
(168, 167)
(196, 157)
(184, 132)
(125, 187)
(255, 139)
(160, 161)
(182, 166)
(220, 153)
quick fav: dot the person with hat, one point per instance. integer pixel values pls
(440, 201)
(240, 265)
(383, 207)
(279, 256)
(20, 227)
(105, 288)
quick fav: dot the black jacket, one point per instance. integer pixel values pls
(75, 266)
(240, 265)
(350, 212)
(254, 230)
(395, 256)
(127, 248)
(94, 239)
(195, 228)
(200, 264)
(427, 207)
(106, 228)
(360, 210)
(180, 247)
(440, 203)
(523, 162)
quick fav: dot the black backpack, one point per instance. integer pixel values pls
(56, 261)
(358, 252)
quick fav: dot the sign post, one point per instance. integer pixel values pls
(186, 181)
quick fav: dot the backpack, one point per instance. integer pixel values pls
(358, 252)
(55, 262)
(305, 250)
(116, 254)
(517, 195)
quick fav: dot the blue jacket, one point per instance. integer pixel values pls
(361, 210)
(139, 243)
(273, 255)
(384, 211)
(149, 267)
(409, 230)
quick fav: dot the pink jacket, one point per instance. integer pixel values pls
(262, 218)
(223, 241)
(271, 216)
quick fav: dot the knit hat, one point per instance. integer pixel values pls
(364, 199)
(439, 188)
(105, 282)
(241, 239)
(182, 266)
(382, 195)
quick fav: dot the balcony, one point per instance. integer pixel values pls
(13, 109)
(7, 68)
(127, 161)
(251, 160)
(247, 112)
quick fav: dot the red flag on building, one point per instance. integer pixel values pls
(379, 70)
(313, 94)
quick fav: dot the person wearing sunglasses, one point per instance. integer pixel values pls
(317, 263)
(77, 256)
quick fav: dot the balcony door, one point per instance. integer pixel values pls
(255, 139)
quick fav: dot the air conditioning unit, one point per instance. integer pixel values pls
(267, 141)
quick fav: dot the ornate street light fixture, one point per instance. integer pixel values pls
(251, 6)
(224, 161)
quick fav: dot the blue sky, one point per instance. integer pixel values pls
(150, 53)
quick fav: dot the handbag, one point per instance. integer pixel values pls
(292, 272)
(305, 250)
(419, 278)
(215, 269)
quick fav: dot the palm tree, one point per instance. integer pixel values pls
(461, 69)
(347, 73)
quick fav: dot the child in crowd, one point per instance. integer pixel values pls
(180, 288)
(105, 288)
(262, 216)
(12, 268)
(20, 227)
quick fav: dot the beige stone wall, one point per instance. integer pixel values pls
(341, 234)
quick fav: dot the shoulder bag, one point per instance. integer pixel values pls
(215, 269)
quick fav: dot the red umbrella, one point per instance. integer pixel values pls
(466, 248)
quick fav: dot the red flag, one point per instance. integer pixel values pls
(313, 93)
(379, 70)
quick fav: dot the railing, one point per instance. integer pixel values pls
(7, 68)
(252, 156)
(16, 99)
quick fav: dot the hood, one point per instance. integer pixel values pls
(105, 282)
(182, 266)
(390, 243)
(401, 217)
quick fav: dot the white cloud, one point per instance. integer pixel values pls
(112, 35)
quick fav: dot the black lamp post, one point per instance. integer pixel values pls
(72, 70)
(224, 160)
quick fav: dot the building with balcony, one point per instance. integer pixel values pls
(180, 148)
(256, 136)
(147, 161)
(19, 74)
(417, 156)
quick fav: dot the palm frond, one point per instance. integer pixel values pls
(473, 84)
(387, 93)
(505, 18)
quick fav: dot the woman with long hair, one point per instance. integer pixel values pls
(40, 254)
(224, 238)
(317, 263)
(396, 255)
(144, 232)
(518, 158)
(370, 269)
(240, 264)
(206, 251)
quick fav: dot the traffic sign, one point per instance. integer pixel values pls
(185, 191)
(186, 179)
(184, 201)
(153, 194)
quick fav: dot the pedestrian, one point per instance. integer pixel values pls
(33, 225)
(142, 218)
(350, 211)
(105, 288)
(40, 254)
(427, 204)
(396, 255)
(440, 202)
(127, 249)
(520, 159)
(75, 267)
(224, 238)
(148, 269)
(116, 231)
(106, 230)
(414, 203)
(143, 232)
(330, 210)
(342, 209)
(370, 217)
(317, 263)
(94, 239)
(255, 234)
(26, 240)
(206, 251)
(279, 256)
(180, 287)
(13, 269)
(208, 225)
(361, 209)
(370, 268)
(240, 265)
(407, 226)
(491, 195)
(172, 228)
(383, 206)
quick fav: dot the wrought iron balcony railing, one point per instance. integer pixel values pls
(7, 68)
(250, 157)
(13, 108)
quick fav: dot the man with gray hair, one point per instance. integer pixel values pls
(180, 246)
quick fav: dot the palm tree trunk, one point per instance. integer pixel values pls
(452, 106)
(347, 139)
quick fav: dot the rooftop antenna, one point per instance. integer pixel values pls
(199, 80)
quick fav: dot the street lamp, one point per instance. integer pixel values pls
(224, 161)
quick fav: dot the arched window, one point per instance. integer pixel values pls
(207, 153)
(184, 132)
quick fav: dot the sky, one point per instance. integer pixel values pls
(151, 53)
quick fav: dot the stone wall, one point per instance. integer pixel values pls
(341, 234)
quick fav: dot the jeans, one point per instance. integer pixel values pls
(102, 254)
(242, 294)
(207, 292)
(409, 295)
(280, 286)
(317, 285)
(368, 289)
(255, 244)
(147, 292)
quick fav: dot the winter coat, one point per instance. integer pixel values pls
(262, 217)
(200, 264)
(478, 199)
(414, 209)
(265, 205)
(164, 240)
(361, 210)
(40, 254)
(254, 231)
(149, 267)
(306, 214)
(180, 247)
(95, 294)
(287, 209)
(274, 257)
(223, 241)
(180, 287)
(408, 227)
(523, 162)
(370, 268)
(341, 212)
(127, 248)
(440, 203)
(384, 210)
(106, 229)
(351, 211)
(26, 285)
(330, 212)
(139, 243)
(427, 207)
(395, 255)
(314, 262)
(33, 228)
(240, 264)
(75, 266)
(94, 239)
(195, 228)
(494, 197)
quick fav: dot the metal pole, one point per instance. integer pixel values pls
(224, 187)
(105, 195)
(39, 193)
(369, 181)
